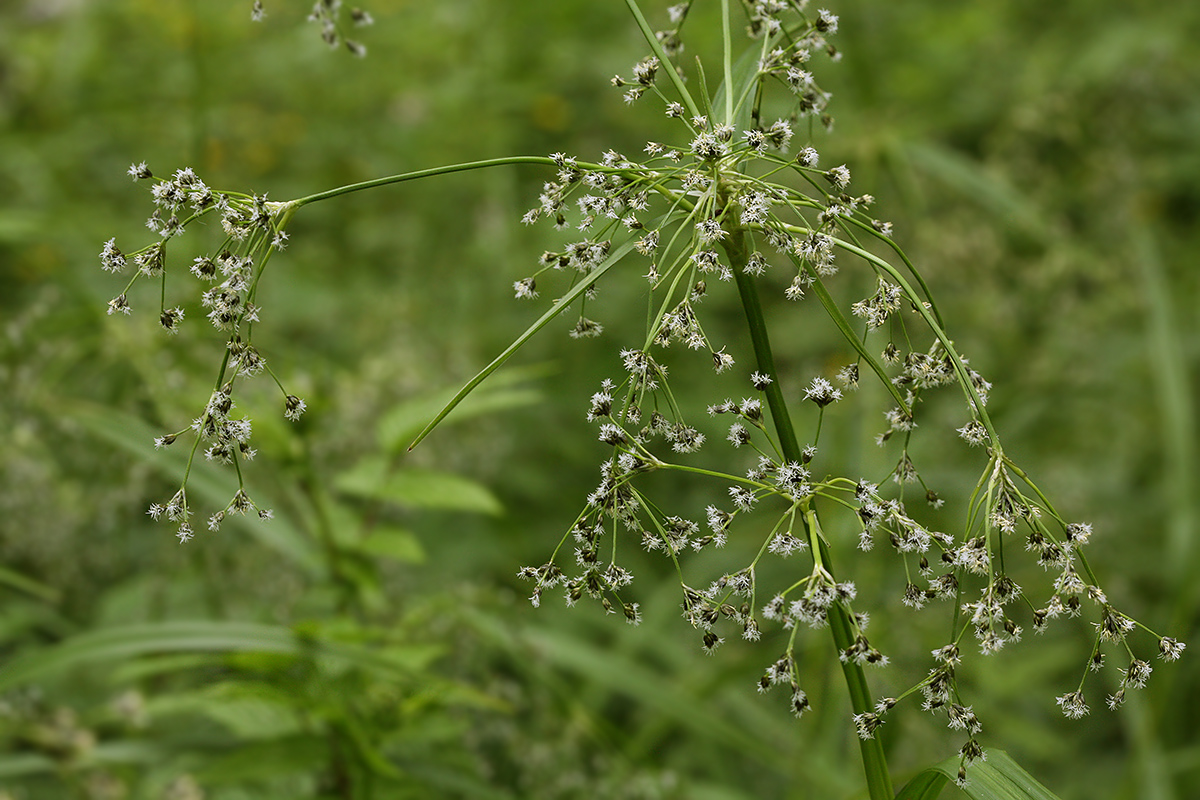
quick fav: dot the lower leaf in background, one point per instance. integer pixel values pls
(997, 777)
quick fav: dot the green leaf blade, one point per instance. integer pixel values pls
(926, 786)
(998, 777)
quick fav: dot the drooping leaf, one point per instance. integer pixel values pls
(926, 786)
(111, 644)
(996, 778)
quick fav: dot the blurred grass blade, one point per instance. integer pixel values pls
(997, 778)
(136, 640)
(17, 581)
(544, 320)
(991, 192)
(1168, 362)
(131, 641)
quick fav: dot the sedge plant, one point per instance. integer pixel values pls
(737, 202)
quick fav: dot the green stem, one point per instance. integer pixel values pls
(879, 781)
(423, 173)
(728, 62)
(735, 248)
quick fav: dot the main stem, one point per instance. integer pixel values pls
(879, 780)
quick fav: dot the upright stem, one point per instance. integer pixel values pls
(879, 780)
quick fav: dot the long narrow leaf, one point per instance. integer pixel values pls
(1168, 366)
(136, 640)
(131, 641)
(544, 320)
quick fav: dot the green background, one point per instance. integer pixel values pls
(1041, 165)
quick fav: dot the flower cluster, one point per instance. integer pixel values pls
(716, 207)
(254, 229)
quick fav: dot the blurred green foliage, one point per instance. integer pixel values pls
(1040, 163)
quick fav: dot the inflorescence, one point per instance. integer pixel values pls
(229, 277)
(726, 203)
(712, 208)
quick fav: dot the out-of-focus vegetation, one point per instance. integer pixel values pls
(1042, 164)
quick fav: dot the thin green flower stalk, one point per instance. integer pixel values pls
(730, 202)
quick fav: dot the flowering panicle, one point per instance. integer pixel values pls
(718, 222)
(254, 229)
(724, 206)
